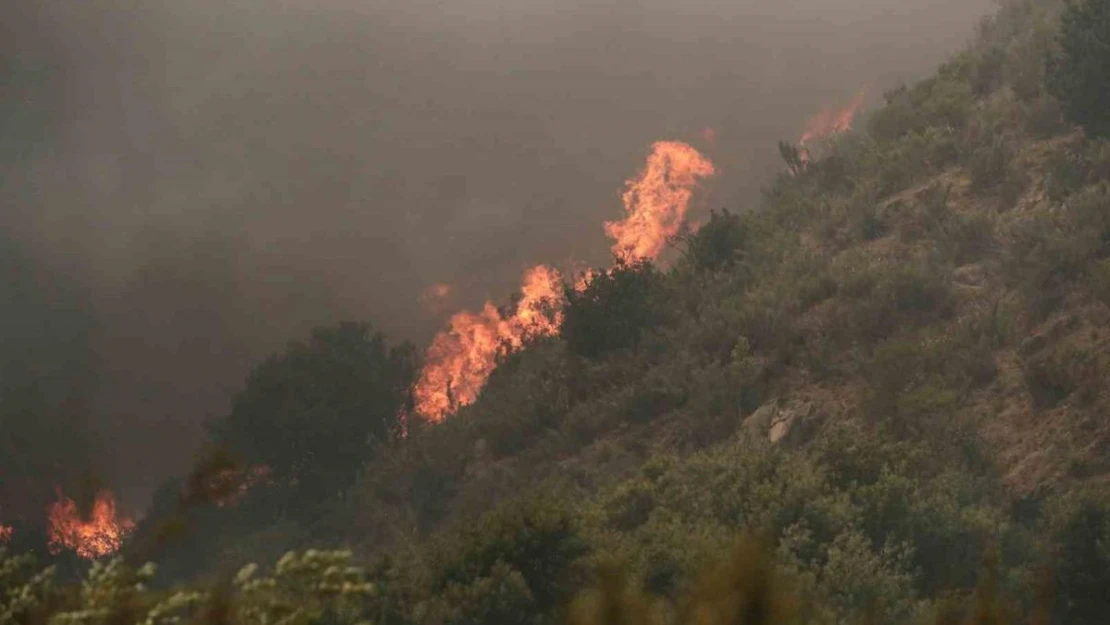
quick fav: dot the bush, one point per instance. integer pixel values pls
(719, 243)
(1077, 72)
(535, 538)
(614, 309)
(315, 413)
(994, 169)
(1083, 564)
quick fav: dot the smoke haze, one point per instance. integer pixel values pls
(218, 177)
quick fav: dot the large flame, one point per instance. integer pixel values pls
(656, 202)
(460, 360)
(99, 535)
(832, 120)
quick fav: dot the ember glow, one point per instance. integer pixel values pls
(435, 296)
(461, 359)
(99, 535)
(236, 483)
(656, 202)
(831, 121)
(5, 534)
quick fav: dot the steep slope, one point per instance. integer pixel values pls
(926, 300)
(942, 263)
(893, 368)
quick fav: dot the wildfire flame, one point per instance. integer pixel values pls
(831, 121)
(460, 360)
(99, 535)
(656, 202)
(5, 534)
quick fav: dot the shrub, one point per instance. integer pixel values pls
(994, 169)
(613, 310)
(314, 413)
(1077, 72)
(1083, 564)
(25, 593)
(719, 243)
(536, 537)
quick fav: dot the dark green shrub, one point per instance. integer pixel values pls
(1077, 73)
(614, 309)
(314, 413)
(719, 243)
(1083, 565)
(537, 537)
(994, 170)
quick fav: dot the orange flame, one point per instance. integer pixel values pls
(584, 280)
(461, 359)
(832, 121)
(100, 535)
(656, 202)
(5, 534)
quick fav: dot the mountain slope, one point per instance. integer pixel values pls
(892, 371)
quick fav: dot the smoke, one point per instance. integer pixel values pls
(218, 177)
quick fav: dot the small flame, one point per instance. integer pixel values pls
(5, 534)
(832, 120)
(656, 202)
(461, 359)
(584, 280)
(99, 535)
(435, 296)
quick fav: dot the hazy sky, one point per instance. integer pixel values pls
(222, 176)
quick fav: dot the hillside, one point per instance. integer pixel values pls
(893, 370)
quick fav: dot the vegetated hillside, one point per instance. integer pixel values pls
(898, 359)
(891, 374)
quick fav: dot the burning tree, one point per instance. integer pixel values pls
(99, 534)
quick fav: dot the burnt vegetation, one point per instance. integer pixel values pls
(878, 397)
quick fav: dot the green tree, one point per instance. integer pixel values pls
(314, 413)
(613, 310)
(718, 243)
(1077, 72)
(1083, 571)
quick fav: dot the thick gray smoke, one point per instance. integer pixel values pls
(221, 176)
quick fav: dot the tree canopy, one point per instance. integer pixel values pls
(313, 413)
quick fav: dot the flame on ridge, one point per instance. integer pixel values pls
(657, 200)
(461, 358)
(101, 534)
(831, 121)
